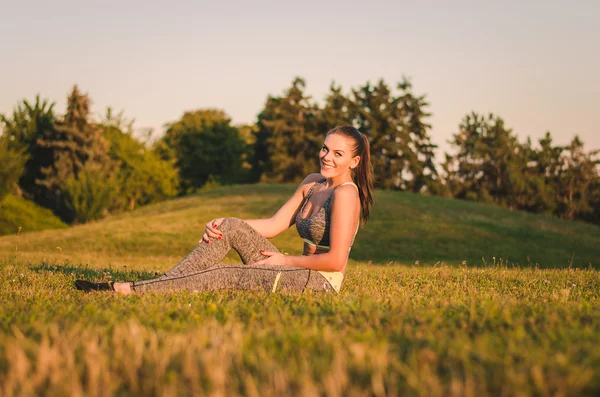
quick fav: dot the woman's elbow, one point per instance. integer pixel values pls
(336, 263)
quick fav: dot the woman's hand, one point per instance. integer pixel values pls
(273, 258)
(211, 231)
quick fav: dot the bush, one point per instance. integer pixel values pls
(143, 177)
(89, 195)
(12, 164)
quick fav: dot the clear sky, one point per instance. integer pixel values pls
(535, 63)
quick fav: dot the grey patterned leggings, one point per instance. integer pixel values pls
(200, 270)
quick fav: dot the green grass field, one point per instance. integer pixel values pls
(499, 303)
(16, 212)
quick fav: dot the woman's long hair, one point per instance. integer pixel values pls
(363, 173)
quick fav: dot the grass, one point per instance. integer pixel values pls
(453, 325)
(20, 215)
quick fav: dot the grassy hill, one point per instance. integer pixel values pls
(433, 329)
(404, 228)
(17, 212)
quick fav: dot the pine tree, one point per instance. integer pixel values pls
(594, 201)
(29, 122)
(336, 110)
(500, 149)
(377, 116)
(487, 150)
(543, 169)
(247, 133)
(463, 169)
(491, 165)
(401, 149)
(578, 174)
(421, 167)
(73, 142)
(260, 159)
(293, 141)
(526, 188)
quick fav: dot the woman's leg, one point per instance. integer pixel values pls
(238, 235)
(270, 278)
(200, 271)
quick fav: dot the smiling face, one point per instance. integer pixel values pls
(337, 156)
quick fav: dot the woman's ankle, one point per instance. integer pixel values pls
(123, 288)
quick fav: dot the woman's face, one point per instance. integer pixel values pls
(336, 156)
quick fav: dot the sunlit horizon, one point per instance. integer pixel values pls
(529, 63)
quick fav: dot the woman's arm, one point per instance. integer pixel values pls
(345, 213)
(271, 227)
(286, 215)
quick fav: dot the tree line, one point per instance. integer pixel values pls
(83, 169)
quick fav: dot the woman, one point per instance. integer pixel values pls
(326, 209)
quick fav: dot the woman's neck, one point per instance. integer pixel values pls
(338, 180)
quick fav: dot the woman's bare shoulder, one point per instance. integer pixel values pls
(346, 194)
(314, 177)
(310, 180)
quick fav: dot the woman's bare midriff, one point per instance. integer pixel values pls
(310, 249)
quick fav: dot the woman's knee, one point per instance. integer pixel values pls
(230, 224)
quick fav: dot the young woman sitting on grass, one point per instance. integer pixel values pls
(326, 209)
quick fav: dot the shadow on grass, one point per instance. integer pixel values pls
(95, 274)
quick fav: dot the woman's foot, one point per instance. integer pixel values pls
(87, 286)
(123, 288)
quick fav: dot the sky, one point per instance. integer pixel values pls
(534, 63)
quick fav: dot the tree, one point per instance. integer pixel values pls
(291, 128)
(401, 149)
(247, 133)
(377, 117)
(481, 168)
(73, 142)
(28, 123)
(594, 200)
(527, 187)
(337, 110)
(549, 160)
(260, 158)
(421, 167)
(542, 169)
(578, 175)
(142, 176)
(90, 193)
(491, 165)
(203, 145)
(287, 128)
(12, 163)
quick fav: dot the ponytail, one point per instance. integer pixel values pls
(364, 180)
(363, 173)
